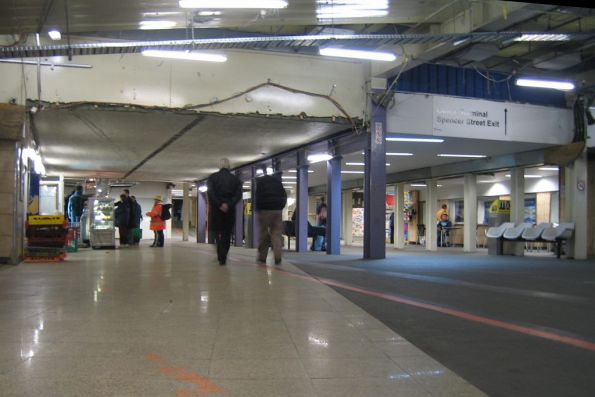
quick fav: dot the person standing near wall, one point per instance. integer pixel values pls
(271, 198)
(76, 203)
(122, 219)
(137, 216)
(443, 210)
(224, 190)
(157, 224)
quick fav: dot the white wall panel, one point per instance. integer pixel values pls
(139, 80)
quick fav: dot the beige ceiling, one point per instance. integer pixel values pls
(144, 145)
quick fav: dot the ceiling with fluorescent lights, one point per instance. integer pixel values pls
(475, 34)
(483, 35)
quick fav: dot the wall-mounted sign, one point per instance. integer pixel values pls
(469, 118)
(580, 185)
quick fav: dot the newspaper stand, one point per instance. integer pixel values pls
(46, 238)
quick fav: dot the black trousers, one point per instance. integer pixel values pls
(223, 241)
(159, 239)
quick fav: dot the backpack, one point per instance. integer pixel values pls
(165, 214)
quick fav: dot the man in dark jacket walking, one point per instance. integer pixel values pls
(224, 190)
(270, 200)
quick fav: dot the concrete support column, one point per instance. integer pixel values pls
(12, 127)
(399, 220)
(470, 213)
(333, 222)
(430, 215)
(301, 218)
(375, 185)
(201, 217)
(577, 206)
(185, 211)
(347, 217)
(517, 195)
(238, 229)
(253, 243)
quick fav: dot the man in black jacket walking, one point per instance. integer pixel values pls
(270, 200)
(224, 190)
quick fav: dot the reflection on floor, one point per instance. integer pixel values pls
(143, 321)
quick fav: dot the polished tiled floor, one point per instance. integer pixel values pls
(170, 322)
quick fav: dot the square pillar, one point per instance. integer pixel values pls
(252, 242)
(576, 182)
(301, 218)
(347, 229)
(375, 185)
(333, 223)
(430, 215)
(399, 220)
(201, 217)
(185, 211)
(517, 195)
(470, 213)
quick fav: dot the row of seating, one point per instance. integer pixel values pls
(547, 232)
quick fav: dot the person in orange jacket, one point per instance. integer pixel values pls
(157, 224)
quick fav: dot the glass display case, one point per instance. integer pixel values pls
(103, 233)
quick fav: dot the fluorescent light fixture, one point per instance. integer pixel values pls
(471, 156)
(361, 164)
(398, 154)
(160, 14)
(190, 56)
(418, 185)
(557, 85)
(288, 177)
(54, 34)
(542, 37)
(345, 53)
(151, 25)
(50, 64)
(352, 172)
(549, 168)
(209, 13)
(289, 183)
(526, 176)
(318, 157)
(348, 14)
(461, 41)
(295, 171)
(203, 188)
(413, 139)
(218, 4)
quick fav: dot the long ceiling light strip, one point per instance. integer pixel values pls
(472, 156)
(346, 9)
(219, 4)
(357, 54)
(50, 64)
(190, 56)
(155, 25)
(553, 84)
(398, 154)
(542, 37)
(412, 139)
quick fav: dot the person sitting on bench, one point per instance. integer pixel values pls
(314, 232)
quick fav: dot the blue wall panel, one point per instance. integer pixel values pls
(447, 80)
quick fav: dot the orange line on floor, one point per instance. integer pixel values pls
(203, 385)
